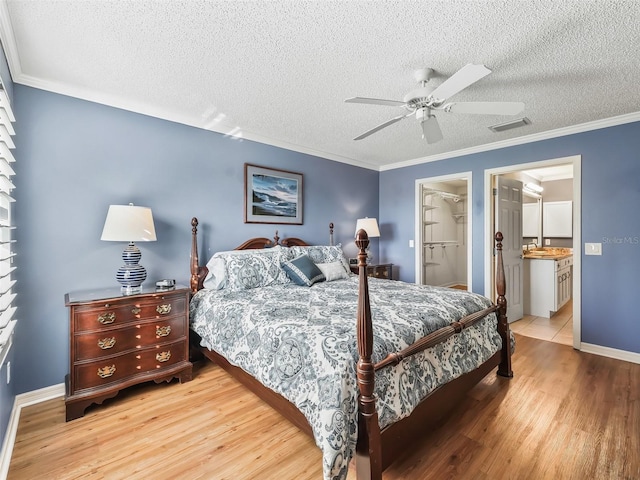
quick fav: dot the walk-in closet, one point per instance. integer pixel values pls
(444, 234)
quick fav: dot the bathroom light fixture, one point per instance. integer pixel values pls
(534, 187)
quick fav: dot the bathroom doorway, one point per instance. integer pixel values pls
(558, 178)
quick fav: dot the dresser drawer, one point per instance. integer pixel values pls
(118, 340)
(115, 369)
(108, 342)
(122, 312)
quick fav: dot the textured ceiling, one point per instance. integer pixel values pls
(278, 71)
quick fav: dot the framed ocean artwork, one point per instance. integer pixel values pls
(272, 196)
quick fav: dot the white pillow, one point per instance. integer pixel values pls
(332, 271)
(216, 276)
(323, 254)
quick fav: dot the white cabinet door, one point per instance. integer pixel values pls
(543, 287)
(557, 219)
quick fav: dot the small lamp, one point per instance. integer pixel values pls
(129, 223)
(369, 225)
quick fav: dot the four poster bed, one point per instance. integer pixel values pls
(286, 330)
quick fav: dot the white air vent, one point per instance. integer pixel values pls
(501, 127)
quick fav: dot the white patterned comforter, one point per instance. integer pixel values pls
(301, 342)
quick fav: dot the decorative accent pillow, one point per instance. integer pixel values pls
(303, 271)
(243, 269)
(323, 254)
(332, 271)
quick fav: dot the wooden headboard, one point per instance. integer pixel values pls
(199, 273)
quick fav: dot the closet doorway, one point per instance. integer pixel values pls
(443, 231)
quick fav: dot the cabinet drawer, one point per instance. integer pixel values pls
(96, 317)
(380, 272)
(114, 341)
(152, 360)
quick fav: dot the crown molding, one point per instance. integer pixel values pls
(536, 137)
(240, 135)
(230, 131)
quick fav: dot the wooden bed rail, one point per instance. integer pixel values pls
(435, 338)
(369, 449)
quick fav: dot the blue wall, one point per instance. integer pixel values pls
(610, 200)
(76, 157)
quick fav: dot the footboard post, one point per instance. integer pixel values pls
(194, 255)
(368, 448)
(504, 369)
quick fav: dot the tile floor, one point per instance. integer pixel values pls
(558, 328)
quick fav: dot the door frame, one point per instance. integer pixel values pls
(467, 176)
(489, 283)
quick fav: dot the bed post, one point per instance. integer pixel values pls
(194, 255)
(369, 446)
(504, 369)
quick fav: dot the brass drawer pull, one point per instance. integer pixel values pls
(107, 318)
(107, 343)
(107, 371)
(163, 331)
(136, 310)
(163, 309)
(163, 356)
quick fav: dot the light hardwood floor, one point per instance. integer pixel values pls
(564, 415)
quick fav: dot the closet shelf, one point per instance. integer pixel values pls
(442, 242)
(429, 222)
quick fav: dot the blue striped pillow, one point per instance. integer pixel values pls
(302, 271)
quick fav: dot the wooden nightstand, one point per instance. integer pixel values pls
(382, 270)
(117, 341)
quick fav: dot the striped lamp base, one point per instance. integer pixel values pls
(131, 274)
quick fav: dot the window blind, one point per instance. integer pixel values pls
(7, 242)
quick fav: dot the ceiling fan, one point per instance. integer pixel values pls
(422, 101)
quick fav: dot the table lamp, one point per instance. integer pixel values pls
(129, 223)
(369, 225)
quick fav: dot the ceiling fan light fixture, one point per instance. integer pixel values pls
(501, 127)
(420, 102)
(419, 96)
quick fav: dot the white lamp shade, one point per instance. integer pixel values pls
(369, 225)
(129, 223)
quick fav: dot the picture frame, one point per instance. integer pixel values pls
(272, 195)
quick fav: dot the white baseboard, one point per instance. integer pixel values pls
(23, 400)
(610, 352)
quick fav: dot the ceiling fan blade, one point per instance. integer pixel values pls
(486, 108)
(381, 126)
(376, 101)
(431, 130)
(460, 80)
